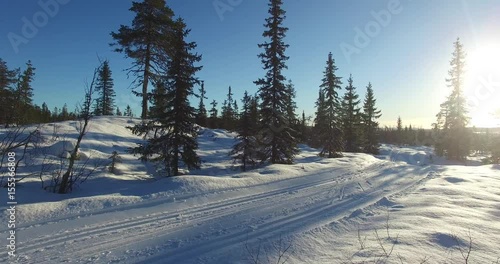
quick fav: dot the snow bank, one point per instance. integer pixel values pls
(61, 149)
(434, 221)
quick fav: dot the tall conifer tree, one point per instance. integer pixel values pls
(8, 79)
(24, 95)
(201, 116)
(331, 135)
(228, 111)
(370, 125)
(105, 103)
(320, 124)
(351, 118)
(144, 42)
(278, 145)
(399, 131)
(214, 112)
(453, 137)
(245, 151)
(175, 136)
(128, 111)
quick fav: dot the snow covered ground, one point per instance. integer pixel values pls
(404, 203)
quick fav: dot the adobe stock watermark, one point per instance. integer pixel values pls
(32, 25)
(483, 91)
(223, 6)
(364, 36)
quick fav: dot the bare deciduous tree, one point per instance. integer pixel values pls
(68, 178)
(13, 140)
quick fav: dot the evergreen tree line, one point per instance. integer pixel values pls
(267, 124)
(16, 98)
(16, 95)
(268, 127)
(342, 123)
(483, 141)
(406, 135)
(165, 66)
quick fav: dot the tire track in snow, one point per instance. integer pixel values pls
(311, 211)
(295, 222)
(207, 211)
(119, 233)
(147, 233)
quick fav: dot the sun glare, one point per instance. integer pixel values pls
(482, 85)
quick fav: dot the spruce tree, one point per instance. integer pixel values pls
(245, 150)
(278, 145)
(105, 103)
(46, 115)
(24, 95)
(201, 116)
(303, 129)
(175, 135)
(331, 133)
(291, 105)
(320, 124)
(411, 136)
(370, 125)
(118, 112)
(64, 115)
(236, 111)
(453, 136)
(157, 98)
(254, 111)
(214, 119)
(55, 114)
(144, 42)
(406, 136)
(25, 91)
(8, 79)
(128, 111)
(228, 111)
(351, 118)
(399, 131)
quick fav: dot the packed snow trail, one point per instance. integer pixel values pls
(214, 227)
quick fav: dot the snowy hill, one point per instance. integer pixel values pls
(315, 211)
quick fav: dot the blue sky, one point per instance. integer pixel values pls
(406, 59)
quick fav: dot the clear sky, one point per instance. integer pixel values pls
(405, 56)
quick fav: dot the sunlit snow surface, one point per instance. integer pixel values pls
(326, 210)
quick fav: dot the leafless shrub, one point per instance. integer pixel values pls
(424, 260)
(253, 254)
(55, 167)
(387, 250)
(115, 158)
(18, 140)
(465, 250)
(282, 250)
(387, 226)
(69, 178)
(361, 240)
(55, 132)
(279, 253)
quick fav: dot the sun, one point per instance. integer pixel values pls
(482, 85)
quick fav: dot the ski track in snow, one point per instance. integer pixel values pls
(186, 231)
